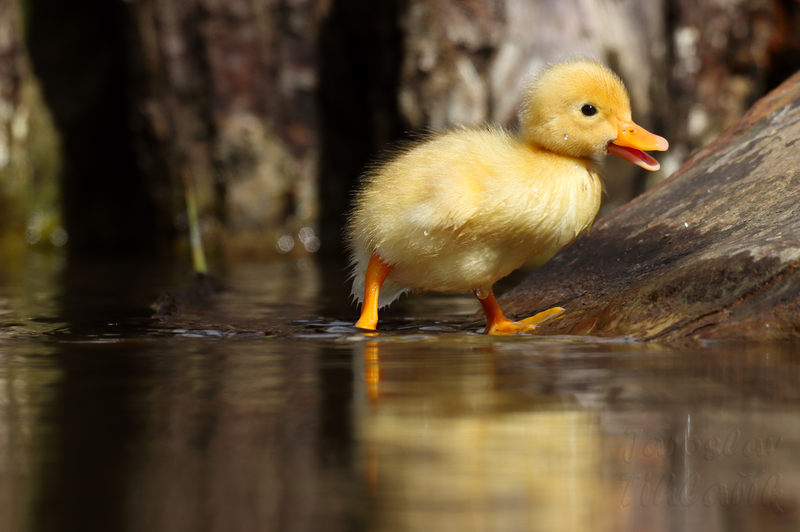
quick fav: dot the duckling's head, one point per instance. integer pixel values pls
(580, 108)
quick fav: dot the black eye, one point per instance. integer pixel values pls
(588, 110)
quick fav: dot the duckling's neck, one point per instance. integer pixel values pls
(591, 164)
(563, 144)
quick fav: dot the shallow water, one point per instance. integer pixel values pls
(110, 420)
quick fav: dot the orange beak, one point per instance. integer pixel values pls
(631, 140)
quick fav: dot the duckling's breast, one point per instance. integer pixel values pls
(565, 203)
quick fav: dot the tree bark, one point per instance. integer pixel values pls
(226, 93)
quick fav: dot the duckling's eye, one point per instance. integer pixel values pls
(589, 110)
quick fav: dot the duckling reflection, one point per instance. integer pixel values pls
(458, 450)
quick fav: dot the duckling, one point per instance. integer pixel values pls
(466, 207)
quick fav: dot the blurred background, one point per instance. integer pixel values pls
(270, 109)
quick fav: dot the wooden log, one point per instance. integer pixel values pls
(711, 253)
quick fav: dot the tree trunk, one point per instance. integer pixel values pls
(79, 52)
(226, 93)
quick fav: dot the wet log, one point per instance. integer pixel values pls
(711, 253)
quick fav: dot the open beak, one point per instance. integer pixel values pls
(631, 140)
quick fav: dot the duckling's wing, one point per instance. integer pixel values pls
(443, 183)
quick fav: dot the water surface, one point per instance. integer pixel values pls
(110, 420)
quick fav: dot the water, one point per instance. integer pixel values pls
(112, 421)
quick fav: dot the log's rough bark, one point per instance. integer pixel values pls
(711, 253)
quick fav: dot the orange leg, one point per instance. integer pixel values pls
(377, 270)
(497, 323)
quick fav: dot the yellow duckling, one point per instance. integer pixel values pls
(467, 207)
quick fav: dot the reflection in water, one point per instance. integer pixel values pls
(110, 422)
(543, 434)
(232, 443)
(445, 449)
(25, 393)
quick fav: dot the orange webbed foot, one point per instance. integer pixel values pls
(507, 326)
(497, 323)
